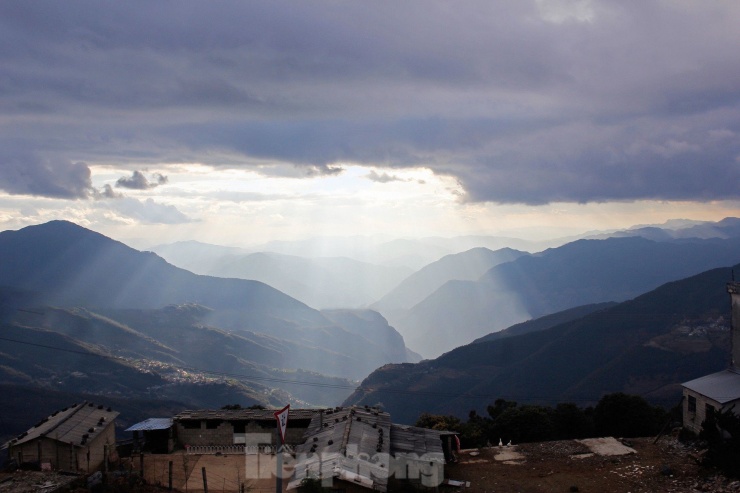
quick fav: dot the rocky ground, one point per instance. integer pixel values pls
(572, 466)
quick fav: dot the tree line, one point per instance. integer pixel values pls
(618, 415)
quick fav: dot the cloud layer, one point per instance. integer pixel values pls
(521, 101)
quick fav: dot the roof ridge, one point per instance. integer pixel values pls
(62, 421)
(345, 437)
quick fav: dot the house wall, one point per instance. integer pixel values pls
(63, 456)
(96, 447)
(39, 450)
(734, 290)
(223, 434)
(692, 421)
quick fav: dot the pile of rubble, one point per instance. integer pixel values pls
(35, 481)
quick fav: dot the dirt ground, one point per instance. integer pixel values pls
(588, 466)
(569, 466)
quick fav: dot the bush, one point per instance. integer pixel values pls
(623, 415)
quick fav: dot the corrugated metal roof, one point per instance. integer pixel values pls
(244, 414)
(152, 424)
(75, 425)
(423, 443)
(352, 444)
(723, 386)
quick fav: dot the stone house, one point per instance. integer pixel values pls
(74, 439)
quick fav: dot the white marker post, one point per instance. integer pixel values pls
(282, 424)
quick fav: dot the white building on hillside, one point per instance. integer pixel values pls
(717, 391)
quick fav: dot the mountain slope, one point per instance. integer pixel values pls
(137, 305)
(327, 282)
(646, 346)
(320, 282)
(579, 273)
(71, 265)
(465, 266)
(546, 322)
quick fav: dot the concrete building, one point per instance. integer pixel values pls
(718, 391)
(226, 427)
(74, 439)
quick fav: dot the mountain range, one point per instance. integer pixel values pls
(578, 273)
(324, 282)
(135, 312)
(84, 314)
(645, 346)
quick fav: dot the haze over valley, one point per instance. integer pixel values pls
(420, 206)
(83, 313)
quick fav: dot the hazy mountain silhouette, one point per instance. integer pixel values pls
(578, 273)
(136, 305)
(645, 346)
(465, 266)
(196, 256)
(323, 282)
(546, 322)
(728, 227)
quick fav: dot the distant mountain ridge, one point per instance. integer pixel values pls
(323, 282)
(578, 273)
(465, 266)
(546, 321)
(645, 346)
(134, 304)
(728, 227)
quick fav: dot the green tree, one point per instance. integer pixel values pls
(524, 424)
(570, 421)
(439, 422)
(625, 415)
(499, 407)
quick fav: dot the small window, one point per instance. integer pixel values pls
(212, 424)
(190, 424)
(709, 410)
(692, 404)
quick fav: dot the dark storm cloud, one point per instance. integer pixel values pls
(521, 101)
(137, 181)
(106, 192)
(30, 174)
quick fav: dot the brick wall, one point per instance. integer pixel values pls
(223, 434)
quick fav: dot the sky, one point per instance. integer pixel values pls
(238, 122)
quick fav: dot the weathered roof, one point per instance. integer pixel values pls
(722, 387)
(152, 424)
(411, 441)
(245, 414)
(76, 425)
(351, 444)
